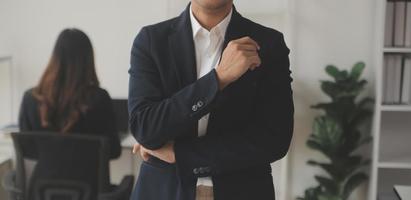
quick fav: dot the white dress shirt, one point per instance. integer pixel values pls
(208, 46)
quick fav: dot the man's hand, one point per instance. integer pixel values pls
(165, 153)
(143, 151)
(239, 56)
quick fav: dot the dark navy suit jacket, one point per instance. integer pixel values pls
(250, 124)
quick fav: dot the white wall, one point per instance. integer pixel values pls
(31, 28)
(323, 32)
(5, 91)
(5, 71)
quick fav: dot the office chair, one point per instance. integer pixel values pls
(120, 107)
(52, 166)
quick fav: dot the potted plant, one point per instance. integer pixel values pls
(336, 134)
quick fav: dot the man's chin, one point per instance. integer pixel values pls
(213, 5)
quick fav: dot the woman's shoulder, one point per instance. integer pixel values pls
(29, 101)
(28, 95)
(99, 93)
(99, 96)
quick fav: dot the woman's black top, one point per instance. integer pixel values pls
(99, 119)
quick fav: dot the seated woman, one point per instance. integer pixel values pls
(68, 98)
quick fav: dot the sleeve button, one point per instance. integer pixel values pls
(207, 169)
(194, 108)
(200, 104)
(195, 171)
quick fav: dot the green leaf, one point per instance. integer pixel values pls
(332, 71)
(316, 146)
(344, 74)
(357, 70)
(359, 116)
(329, 185)
(333, 170)
(353, 182)
(352, 139)
(345, 167)
(330, 88)
(315, 163)
(312, 162)
(311, 193)
(329, 197)
(322, 106)
(328, 133)
(359, 86)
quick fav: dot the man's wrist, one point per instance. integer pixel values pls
(173, 152)
(222, 81)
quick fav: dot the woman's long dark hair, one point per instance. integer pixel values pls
(65, 85)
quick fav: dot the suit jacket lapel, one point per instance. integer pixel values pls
(182, 49)
(234, 29)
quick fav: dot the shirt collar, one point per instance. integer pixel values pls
(221, 28)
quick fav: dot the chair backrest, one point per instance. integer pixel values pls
(120, 107)
(72, 165)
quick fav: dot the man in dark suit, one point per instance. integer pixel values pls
(210, 104)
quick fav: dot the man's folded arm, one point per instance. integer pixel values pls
(155, 118)
(265, 140)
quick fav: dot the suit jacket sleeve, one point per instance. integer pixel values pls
(154, 117)
(267, 137)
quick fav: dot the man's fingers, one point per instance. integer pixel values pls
(136, 148)
(144, 154)
(255, 61)
(247, 40)
(152, 153)
(247, 47)
(249, 54)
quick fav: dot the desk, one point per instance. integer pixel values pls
(6, 155)
(6, 147)
(5, 166)
(6, 144)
